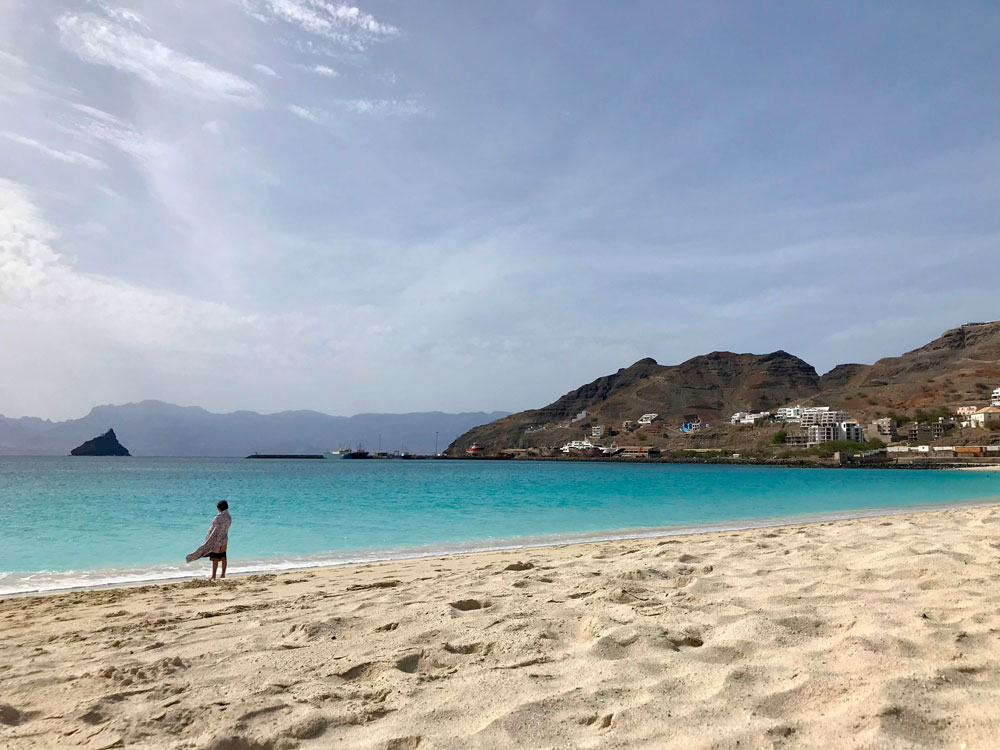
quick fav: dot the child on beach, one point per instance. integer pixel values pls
(216, 540)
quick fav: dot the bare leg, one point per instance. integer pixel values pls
(223, 568)
(215, 567)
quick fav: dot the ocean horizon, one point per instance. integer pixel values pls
(84, 522)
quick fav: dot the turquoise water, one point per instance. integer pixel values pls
(87, 521)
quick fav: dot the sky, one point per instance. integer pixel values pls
(455, 206)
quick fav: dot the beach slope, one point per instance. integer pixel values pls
(877, 632)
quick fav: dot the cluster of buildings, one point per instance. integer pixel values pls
(812, 424)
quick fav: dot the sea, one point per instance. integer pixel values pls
(82, 522)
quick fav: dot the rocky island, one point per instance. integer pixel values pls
(102, 445)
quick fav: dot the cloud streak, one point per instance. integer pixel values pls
(106, 42)
(68, 157)
(337, 22)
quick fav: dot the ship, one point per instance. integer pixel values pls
(356, 453)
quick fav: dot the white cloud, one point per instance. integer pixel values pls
(106, 42)
(98, 126)
(38, 288)
(398, 107)
(323, 70)
(338, 22)
(304, 112)
(268, 71)
(124, 15)
(69, 157)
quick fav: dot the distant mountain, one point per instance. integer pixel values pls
(155, 428)
(960, 367)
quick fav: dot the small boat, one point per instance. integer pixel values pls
(474, 450)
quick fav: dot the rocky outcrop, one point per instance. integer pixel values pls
(102, 445)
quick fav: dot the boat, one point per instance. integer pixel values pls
(347, 452)
(356, 453)
(474, 450)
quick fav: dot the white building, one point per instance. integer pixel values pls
(986, 417)
(744, 417)
(789, 414)
(968, 411)
(995, 400)
(597, 431)
(578, 445)
(822, 415)
(648, 419)
(849, 429)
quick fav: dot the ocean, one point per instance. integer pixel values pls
(73, 522)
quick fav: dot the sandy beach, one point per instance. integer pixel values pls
(867, 633)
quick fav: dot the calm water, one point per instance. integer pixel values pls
(85, 521)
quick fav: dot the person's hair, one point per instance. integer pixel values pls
(222, 505)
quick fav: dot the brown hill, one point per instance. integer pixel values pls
(960, 367)
(712, 385)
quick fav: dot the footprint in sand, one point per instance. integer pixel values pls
(520, 566)
(9, 715)
(471, 605)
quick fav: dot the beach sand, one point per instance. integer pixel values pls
(868, 633)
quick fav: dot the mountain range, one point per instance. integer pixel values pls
(962, 366)
(155, 428)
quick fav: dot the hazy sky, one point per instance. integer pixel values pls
(406, 206)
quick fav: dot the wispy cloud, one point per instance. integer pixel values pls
(396, 107)
(97, 126)
(123, 15)
(304, 112)
(69, 157)
(361, 107)
(337, 22)
(321, 70)
(107, 42)
(268, 71)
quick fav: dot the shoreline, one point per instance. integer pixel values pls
(857, 633)
(510, 544)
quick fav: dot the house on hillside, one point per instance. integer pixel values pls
(647, 419)
(598, 431)
(749, 417)
(628, 426)
(995, 399)
(967, 411)
(884, 426)
(691, 423)
(917, 432)
(851, 430)
(988, 416)
(789, 414)
(822, 415)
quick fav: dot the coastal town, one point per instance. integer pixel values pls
(795, 431)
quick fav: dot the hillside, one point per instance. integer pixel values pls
(155, 428)
(960, 367)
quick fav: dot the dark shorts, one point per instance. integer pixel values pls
(217, 555)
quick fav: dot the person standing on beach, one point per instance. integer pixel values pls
(216, 540)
